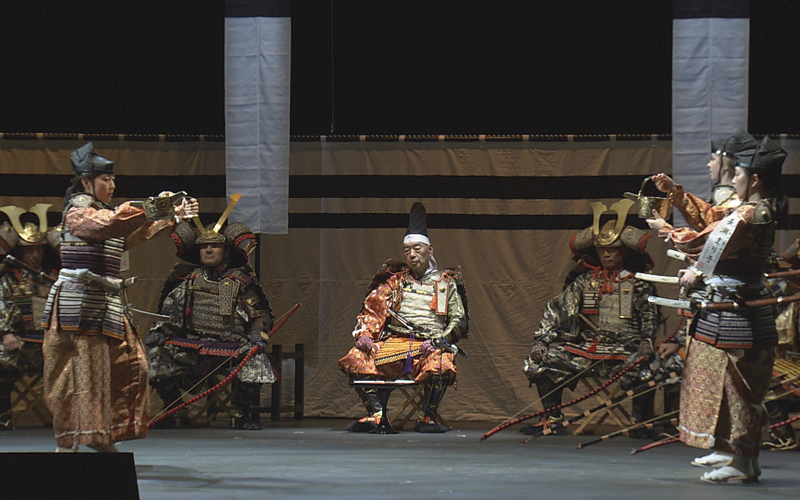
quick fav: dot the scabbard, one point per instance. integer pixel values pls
(676, 303)
(657, 278)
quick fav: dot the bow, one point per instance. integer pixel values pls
(647, 424)
(606, 405)
(252, 352)
(564, 405)
(582, 398)
(667, 440)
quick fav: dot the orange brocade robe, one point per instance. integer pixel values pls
(386, 361)
(95, 383)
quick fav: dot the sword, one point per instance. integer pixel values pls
(438, 343)
(685, 258)
(676, 303)
(147, 313)
(679, 256)
(657, 278)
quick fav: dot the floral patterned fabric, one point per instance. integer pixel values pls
(721, 398)
(96, 387)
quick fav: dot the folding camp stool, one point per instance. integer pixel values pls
(617, 413)
(29, 394)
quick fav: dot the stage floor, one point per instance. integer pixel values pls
(316, 458)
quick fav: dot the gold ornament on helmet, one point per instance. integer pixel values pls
(29, 234)
(212, 234)
(609, 234)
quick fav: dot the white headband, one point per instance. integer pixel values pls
(416, 238)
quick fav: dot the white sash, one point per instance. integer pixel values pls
(716, 242)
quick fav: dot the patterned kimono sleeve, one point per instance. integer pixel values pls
(698, 213)
(101, 224)
(561, 312)
(691, 242)
(649, 313)
(792, 254)
(376, 309)
(147, 231)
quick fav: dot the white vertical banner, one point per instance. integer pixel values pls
(710, 56)
(257, 87)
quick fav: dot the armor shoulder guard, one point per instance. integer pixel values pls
(763, 213)
(387, 270)
(253, 295)
(454, 274)
(83, 200)
(579, 269)
(244, 274)
(177, 274)
(722, 194)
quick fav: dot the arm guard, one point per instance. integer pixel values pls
(254, 301)
(458, 315)
(649, 313)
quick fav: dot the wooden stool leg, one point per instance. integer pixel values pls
(399, 419)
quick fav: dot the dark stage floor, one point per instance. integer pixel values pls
(318, 459)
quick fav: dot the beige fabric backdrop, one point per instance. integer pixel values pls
(509, 274)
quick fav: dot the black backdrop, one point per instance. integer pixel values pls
(377, 67)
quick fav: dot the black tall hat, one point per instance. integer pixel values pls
(86, 162)
(738, 142)
(417, 223)
(766, 160)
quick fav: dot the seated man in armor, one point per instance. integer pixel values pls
(218, 312)
(411, 317)
(787, 361)
(25, 281)
(600, 320)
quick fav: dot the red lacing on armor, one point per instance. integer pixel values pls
(178, 243)
(246, 236)
(642, 242)
(188, 345)
(241, 277)
(608, 277)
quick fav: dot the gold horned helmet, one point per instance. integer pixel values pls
(236, 236)
(212, 234)
(29, 233)
(609, 234)
(613, 233)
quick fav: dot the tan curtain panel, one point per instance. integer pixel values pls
(502, 210)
